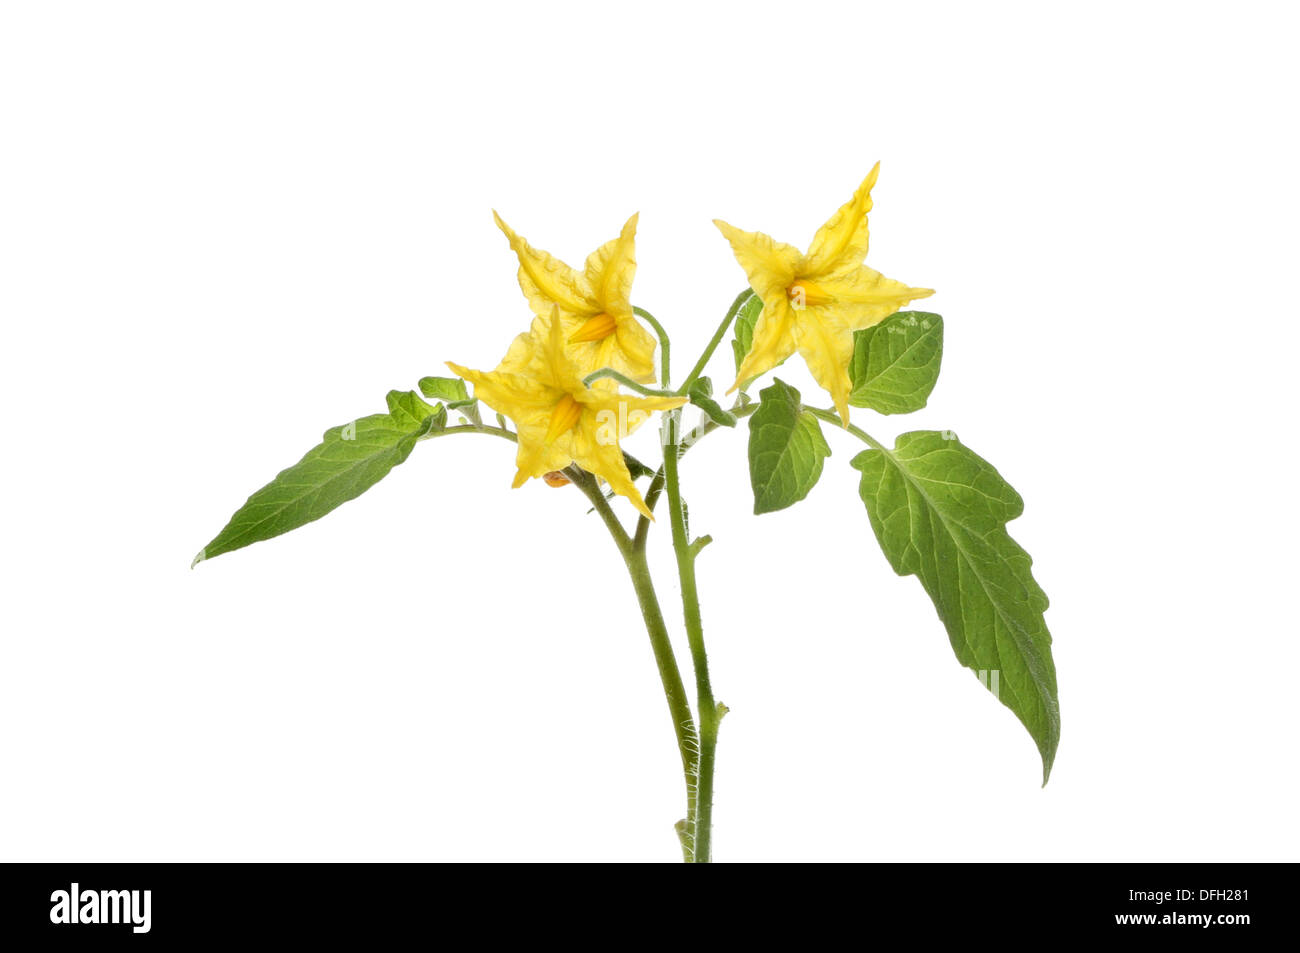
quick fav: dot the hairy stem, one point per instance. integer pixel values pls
(665, 345)
(689, 439)
(830, 416)
(698, 369)
(697, 747)
(699, 827)
(670, 675)
(473, 428)
(609, 372)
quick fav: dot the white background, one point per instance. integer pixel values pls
(226, 227)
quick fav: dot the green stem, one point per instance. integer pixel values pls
(670, 675)
(664, 343)
(698, 749)
(832, 417)
(699, 827)
(690, 439)
(626, 381)
(695, 747)
(698, 369)
(472, 428)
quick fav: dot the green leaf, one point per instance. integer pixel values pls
(786, 449)
(407, 409)
(940, 512)
(467, 408)
(896, 362)
(701, 395)
(348, 461)
(444, 388)
(743, 328)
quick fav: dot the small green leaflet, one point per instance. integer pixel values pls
(701, 395)
(786, 449)
(896, 362)
(940, 513)
(467, 409)
(348, 461)
(443, 388)
(743, 327)
(635, 467)
(408, 410)
(454, 392)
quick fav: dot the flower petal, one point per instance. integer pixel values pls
(629, 410)
(827, 351)
(609, 272)
(595, 453)
(544, 279)
(524, 399)
(629, 350)
(529, 403)
(843, 239)
(636, 347)
(558, 370)
(861, 297)
(773, 341)
(770, 265)
(521, 356)
(536, 458)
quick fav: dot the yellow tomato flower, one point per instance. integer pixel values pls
(594, 304)
(558, 418)
(814, 302)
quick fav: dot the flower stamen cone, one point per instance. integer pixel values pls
(563, 418)
(595, 329)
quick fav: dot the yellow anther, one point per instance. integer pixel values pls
(563, 417)
(595, 329)
(805, 294)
